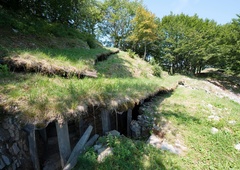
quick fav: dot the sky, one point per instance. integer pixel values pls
(221, 11)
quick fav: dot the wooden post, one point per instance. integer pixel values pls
(72, 161)
(129, 119)
(106, 126)
(33, 146)
(63, 142)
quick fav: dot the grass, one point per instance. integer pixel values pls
(127, 155)
(186, 110)
(41, 97)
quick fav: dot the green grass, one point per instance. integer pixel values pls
(69, 57)
(45, 97)
(127, 155)
(186, 111)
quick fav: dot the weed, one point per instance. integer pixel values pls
(131, 53)
(4, 70)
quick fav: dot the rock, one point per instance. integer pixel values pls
(5, 125)
(237, 146)
(232, 122)
(214, 117)
(154, 141)
(16, 135)
(136, 129)
(169, 147)
(3, 135)
(2, 164)
(113, 133)
(11, 133)
(97, 147)
(15, 30)
(214, 130)
(6, 160)
(210, 106)
(15, 148)
(103, 153)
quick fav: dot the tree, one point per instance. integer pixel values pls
(189, 43)
(144, 28)
(230, 46)
(116, 24)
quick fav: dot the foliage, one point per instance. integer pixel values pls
(127, 154)
(188, 43)
(131, 53)
(116, 24)
(157, 70)
(230, 46)
(144, 28)
(4, 70)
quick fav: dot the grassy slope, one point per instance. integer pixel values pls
(121, 81)
(186, 110)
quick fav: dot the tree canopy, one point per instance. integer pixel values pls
(180, 43)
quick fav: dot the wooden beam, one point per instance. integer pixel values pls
(129, 119)
(106, 126)
(30, 129)
(63, 142)
(72, 161)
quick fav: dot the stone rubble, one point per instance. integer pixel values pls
(214, 130)
(237, 146)
(103, 153)
(164, 145)
(14, 152)
(214, 117)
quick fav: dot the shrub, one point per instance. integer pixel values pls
(131, 53)
(4, 70)
(157, 70)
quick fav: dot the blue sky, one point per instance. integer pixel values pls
(221, 11)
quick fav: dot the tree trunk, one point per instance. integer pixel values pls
(145, 50)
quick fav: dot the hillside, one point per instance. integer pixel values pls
(45, 77)
(54, 76)
(195, 127)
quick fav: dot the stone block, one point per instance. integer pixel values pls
(103, 153)
(113, 133)
(15, 148)
(6, 160)
(2, 164)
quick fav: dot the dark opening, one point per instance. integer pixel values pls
(135, 112)
(122, 123)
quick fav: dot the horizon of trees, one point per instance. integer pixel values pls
(179, 43)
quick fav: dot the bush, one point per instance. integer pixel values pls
(4, 70)
(157, 70)
(131, 53)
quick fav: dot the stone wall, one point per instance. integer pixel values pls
(14, 151)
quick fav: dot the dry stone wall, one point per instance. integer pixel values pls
(14, 151)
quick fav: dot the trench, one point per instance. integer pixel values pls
(47, 139)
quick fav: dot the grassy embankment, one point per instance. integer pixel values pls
(187, 111)
(36, 97)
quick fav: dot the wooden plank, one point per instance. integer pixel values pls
(72, 161)
(129, 119)
(63, 142)
(33, 146)
(106, 126)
